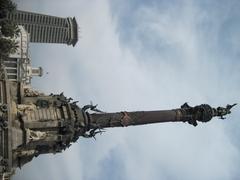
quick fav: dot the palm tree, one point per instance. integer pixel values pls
(7, 28)
(7, 46)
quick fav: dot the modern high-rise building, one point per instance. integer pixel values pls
(47, 29)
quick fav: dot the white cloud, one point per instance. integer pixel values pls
(118, 77)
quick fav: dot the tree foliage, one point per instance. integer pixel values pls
(7, 5)
(7, 28)
(7, 46)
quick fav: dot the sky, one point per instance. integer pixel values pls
(145, 55)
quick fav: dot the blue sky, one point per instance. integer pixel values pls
(145, 55)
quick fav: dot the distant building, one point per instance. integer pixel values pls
(47, 29)
(18, 65)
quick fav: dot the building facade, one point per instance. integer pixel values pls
(47, 29)
(18, 64)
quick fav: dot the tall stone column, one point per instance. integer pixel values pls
(201, 113)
